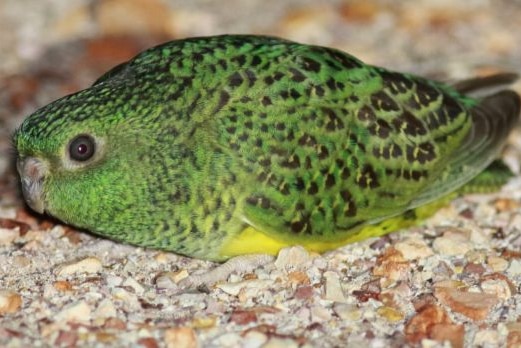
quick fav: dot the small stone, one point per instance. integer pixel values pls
(453, 333)
(420, 325)
(320, 314)
(113, 323)
(304, 292)
(515, 268)
(292, 258)
(204, 322)
(453, 242)
(413, 249)
(62, 285)
(514, 334)
(299, 278)
(486, 338)
(180, 337)
(10, 301)
(392, 315)
(347, 311)
(497, 287)
(86, 265)
(66, 339)
(254, 339)
(106, 309)
(235, 288)
(132, 283)
(7, 236)
(334, 290)
(498, 264)
(243, 317)
(473, 305)
(78, 312)
(148, 342)
(277, 342)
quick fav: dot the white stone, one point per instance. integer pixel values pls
(86, 265)
(79, 312)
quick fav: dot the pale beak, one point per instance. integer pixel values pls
(32, 174)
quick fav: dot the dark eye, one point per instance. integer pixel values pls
(82, 148)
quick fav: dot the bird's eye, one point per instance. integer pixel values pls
(82, 148)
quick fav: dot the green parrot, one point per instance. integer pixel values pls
(231, 145)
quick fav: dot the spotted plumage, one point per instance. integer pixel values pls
(218, 146)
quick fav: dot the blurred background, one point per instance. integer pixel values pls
(49, 48)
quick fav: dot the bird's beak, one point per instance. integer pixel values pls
(32, 174)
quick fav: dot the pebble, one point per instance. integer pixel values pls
(7, 235)
(515, 268)
(10, 301)
(497, 264)
(292, 258)
(106, 309)
(498, 287)
(79, 312)
(180, 337)
(276, 342)
(486, 338)
(254, 339)
(334, 290)
(86, 265)
(413, 249)
(390, 314)
(234, 288)
(473, 305)
(349, 312)
(320, 314)
(453, 242)
(132, 283)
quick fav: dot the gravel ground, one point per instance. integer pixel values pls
(453, 281)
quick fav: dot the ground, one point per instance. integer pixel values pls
(455, 279)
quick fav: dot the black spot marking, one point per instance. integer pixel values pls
(236, 80)
(333, 121)
(426, 94)
(422, 153)
(323, 152)
(395, 82)
(240, 60)
(365, 113)
(300, 185)
(307, 140)
(224, 98)
(284, 189)
(313, 188)
(410, 124)
(293, 162)
(368, 177)
(297, 75)
(252, 78)
(452, 107)
(380, 128)
(309, 64)
(346, 61)
(319, 91)
(382, 101)
(256, 60)
(330, 180)
(266, 101)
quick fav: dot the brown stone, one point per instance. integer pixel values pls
(474, 305)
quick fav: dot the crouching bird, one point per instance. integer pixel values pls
(222, 146)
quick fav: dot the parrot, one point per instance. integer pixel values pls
(221, 146)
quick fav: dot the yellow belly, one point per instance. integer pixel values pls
(252, 241)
